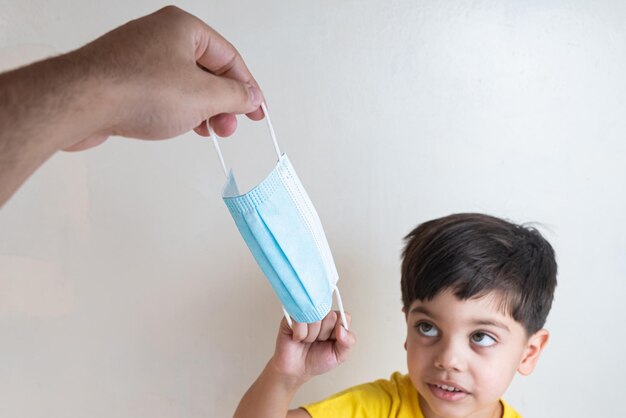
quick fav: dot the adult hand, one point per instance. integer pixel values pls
(165, 74)
(153, 78)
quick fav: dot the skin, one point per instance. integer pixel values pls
(153, 78)
(470, 345)
(302, 353)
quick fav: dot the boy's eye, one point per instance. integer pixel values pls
(427, 330)
(482, 339)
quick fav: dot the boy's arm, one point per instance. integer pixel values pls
(269, 397)
(306, 351)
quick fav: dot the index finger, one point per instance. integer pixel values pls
(220, 57)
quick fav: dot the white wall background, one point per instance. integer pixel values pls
(126, 291)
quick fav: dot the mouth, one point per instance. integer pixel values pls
(447, 392)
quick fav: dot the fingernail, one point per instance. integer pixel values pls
(255, 95)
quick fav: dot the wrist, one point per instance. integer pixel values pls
(91, 99)
(46, 106)
(287, 381)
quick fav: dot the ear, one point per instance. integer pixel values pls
(536, 344)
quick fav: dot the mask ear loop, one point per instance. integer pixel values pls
(217, 145)
(287, 317)
(271, 128)
(217, 148)
(221, 157)
(342, 313)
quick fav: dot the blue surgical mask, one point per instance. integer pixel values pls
(281, 228)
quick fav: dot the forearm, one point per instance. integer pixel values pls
(44, 107)
(268, 397)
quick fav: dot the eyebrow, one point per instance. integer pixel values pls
(421, 309)
(491, 322)
(480, 321)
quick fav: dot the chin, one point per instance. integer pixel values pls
(446, 409)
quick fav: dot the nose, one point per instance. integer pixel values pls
(450, 356)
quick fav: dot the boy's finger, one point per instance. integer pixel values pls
(349, 319)
(344, 343)
(284, 327)
(313, 332)
(299, 331)
(327, 326)
(339, 322)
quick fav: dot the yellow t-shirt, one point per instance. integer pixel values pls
(393, 398)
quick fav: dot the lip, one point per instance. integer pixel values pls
(444, 395)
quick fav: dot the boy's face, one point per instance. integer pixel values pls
(462, 355)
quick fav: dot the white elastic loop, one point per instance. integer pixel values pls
(341, 311)
(287, 317)
(269, 125)
(217, 148)
(217, 145)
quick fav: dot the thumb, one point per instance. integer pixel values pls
(343, 344)
(225, 95)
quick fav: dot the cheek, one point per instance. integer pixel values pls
(418, 357)
(493, 375)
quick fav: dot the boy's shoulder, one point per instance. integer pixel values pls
(395, 396)
(508, 411)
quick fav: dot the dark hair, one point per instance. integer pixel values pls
(473, 255)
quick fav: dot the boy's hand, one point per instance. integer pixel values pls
(301, 353)
(308, 350)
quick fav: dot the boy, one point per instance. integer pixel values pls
(476, 292)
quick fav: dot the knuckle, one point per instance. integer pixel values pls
(170, 9)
